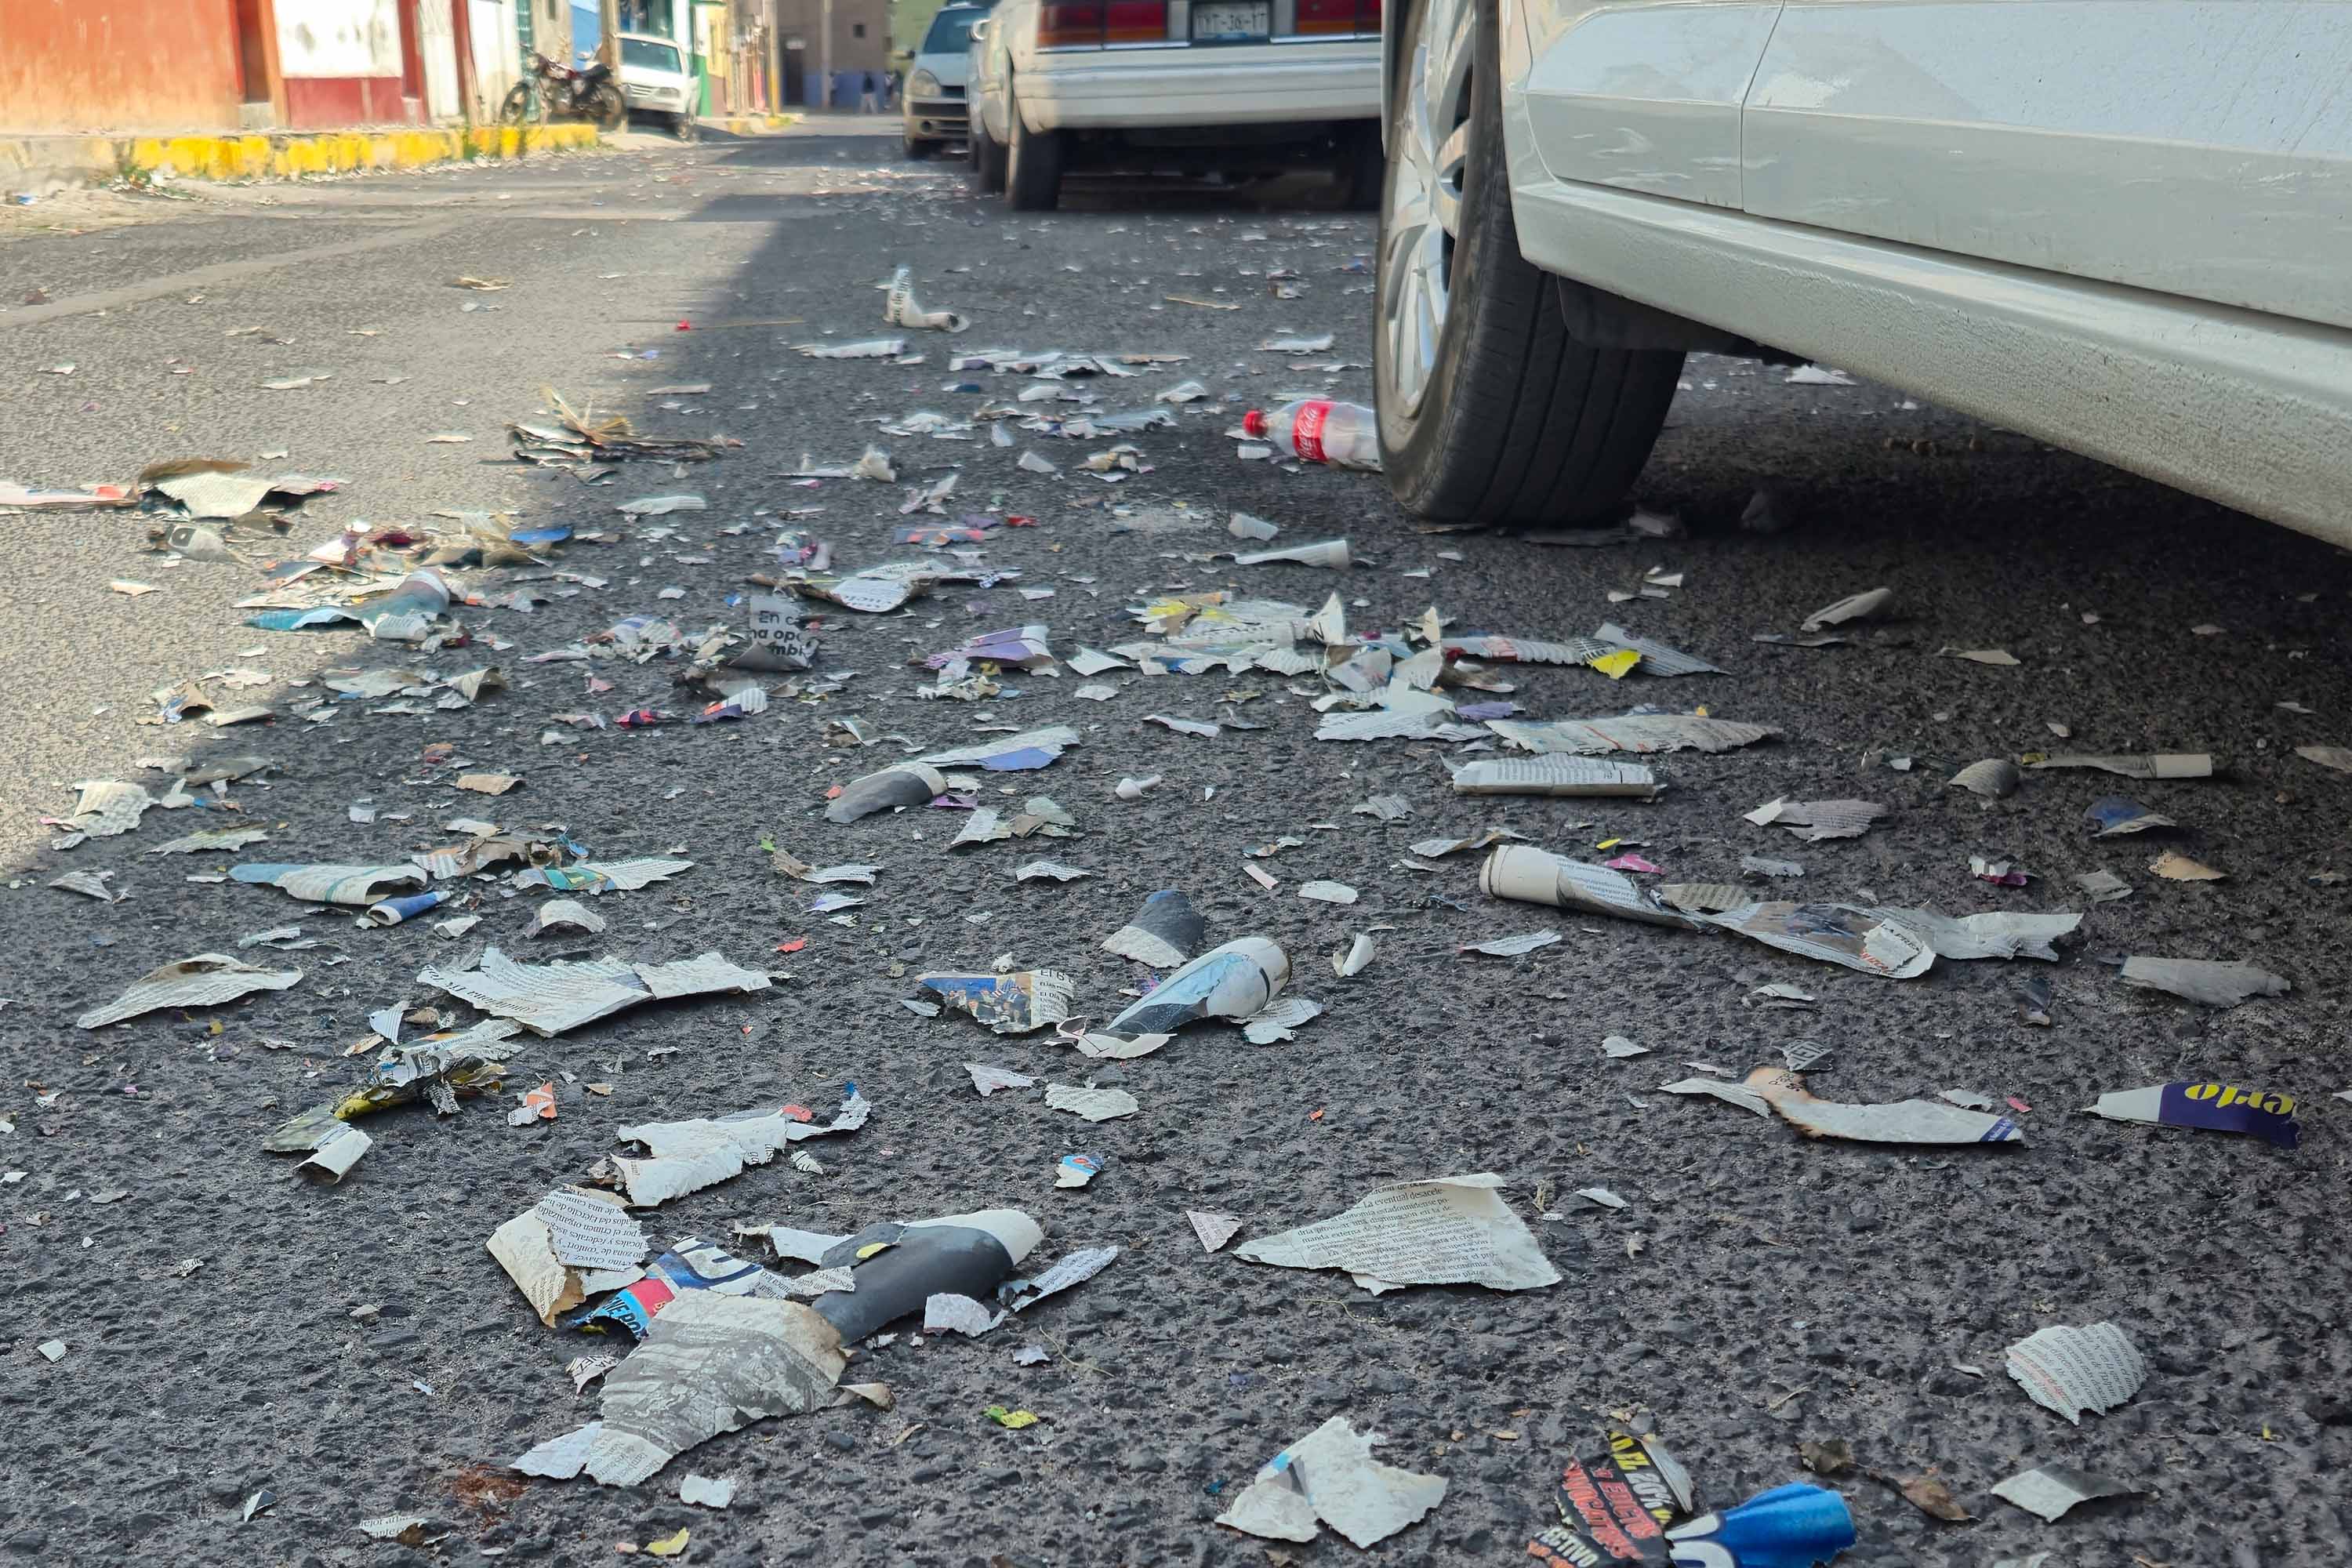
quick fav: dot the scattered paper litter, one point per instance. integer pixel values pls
(944, 1313)
(550, 998)
(2072, 1370)
(1451, 1230)
(1813, 820)
(2050, 1491)
(2160, 765)
(1092, 1104)
(2201, 980)
(1330, 1477)
(1854, 607)
(1213, 1229)
(2217, 1107)
(684, 1157)
(207, 980)
(1906, 1121)
(706, 1491)
(989, 1080)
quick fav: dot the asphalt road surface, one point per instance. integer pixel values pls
(228, 1330)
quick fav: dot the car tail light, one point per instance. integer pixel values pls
(1070, 24)
(1325, 17)
(1135, 22)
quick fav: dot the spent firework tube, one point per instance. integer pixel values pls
(1230, 982)
(1532, 876)
(392, 912)
(900, 1267)
(1794, 1526)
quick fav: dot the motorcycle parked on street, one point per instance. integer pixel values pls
(553, 91)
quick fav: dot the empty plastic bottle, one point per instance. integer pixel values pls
(1320, 431)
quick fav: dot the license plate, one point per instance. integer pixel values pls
(1231, 18)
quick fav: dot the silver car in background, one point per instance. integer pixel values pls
(932, 103)
(2124, 228)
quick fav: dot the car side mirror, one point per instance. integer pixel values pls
(979, 31)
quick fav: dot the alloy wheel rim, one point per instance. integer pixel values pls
(1425, 207)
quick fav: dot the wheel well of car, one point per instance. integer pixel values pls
(1600, 320)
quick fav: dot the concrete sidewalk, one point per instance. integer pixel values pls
(38, 163)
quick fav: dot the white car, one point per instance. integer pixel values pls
(2124, 228)
(655, 80)
(932, 106)
(1231, 86)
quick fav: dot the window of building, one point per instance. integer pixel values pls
(857, 30)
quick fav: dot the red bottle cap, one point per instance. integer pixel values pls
(1253, 421)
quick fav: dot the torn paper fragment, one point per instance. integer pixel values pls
(2103, 887)
(947, 1313)
(106, 807)
(1512, 946)
(207, 980)
(706, 1491)
(1997, 935)
(565, 915)
(1452, 1230)
(1327, 892)
(1230, 982)
(1853, 608)
(1657, 659)
(2072, 1370)
(1092, 1104)
(2217, 1107)
(1119, 1047)
(1641, 733)
(2175, 866)
(905, 784)
(560, 1459)
(1905, 1121)
(1729, 1093)
(1213, 1229)
(1352, 961)
(2113, 814)
(1600, 1196)
(1330, 1475)
(2200, 980)
(1860, 938)
(339, 1149)
(549, 998)
(1013, 1004)
(687, 1156)
(1030, 749)
(989, 1080)
(709, 1364)
(1558, 776)
(1993, 778)
(1618, 1045)
(352, 884)
(1163, 934)
(1075, 1269)
(1813, 820)
(574, 1242)
(1279, 1020)
(2050, 1491)
(2160, 765)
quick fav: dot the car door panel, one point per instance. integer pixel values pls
(1644, 97)
(2196, 147)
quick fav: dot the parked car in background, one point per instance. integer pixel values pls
(932, 103)
(654, 79)
(1239, 86)
(2120, 228)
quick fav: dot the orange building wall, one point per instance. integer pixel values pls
(119, 65)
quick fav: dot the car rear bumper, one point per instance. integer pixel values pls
(935, 119)
(1148, 87)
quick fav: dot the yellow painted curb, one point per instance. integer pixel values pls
(254, 157)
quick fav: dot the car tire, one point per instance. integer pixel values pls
(988, 161)
(1033, 182)
(1496, 415)
(686, 128)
